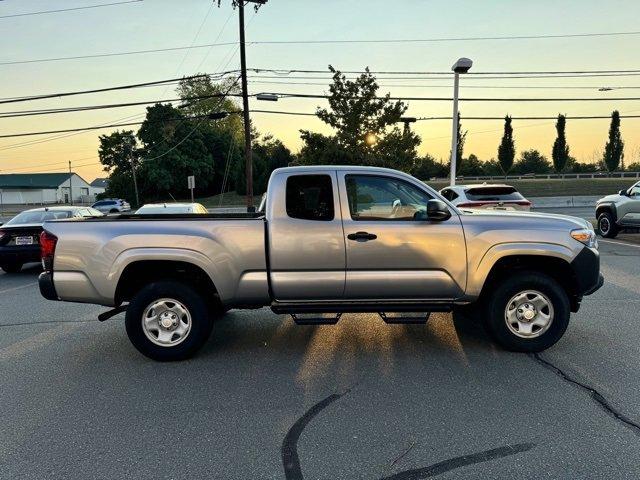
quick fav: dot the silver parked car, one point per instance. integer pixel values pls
(486, 196)
(111, 205)
(171, 208)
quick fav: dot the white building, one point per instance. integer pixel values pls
(99, 185)
(43, 188)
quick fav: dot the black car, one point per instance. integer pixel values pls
(20, 236)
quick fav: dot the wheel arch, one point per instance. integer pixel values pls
(555, 267)
(607, 207)
(140, 273)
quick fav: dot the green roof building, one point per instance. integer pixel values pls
(43, 188)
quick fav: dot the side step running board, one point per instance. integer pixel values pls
(316, 320)
(410, 318)
(359, 307)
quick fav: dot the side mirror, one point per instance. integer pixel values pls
(622, 192)
(437, 210)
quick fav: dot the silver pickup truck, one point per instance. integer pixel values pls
(328, 240)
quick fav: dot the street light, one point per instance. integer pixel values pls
(461, 66)
(267, 97)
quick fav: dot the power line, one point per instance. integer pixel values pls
(107, 89)
(337, 41)
(512, 76)
(487, 87)
(49, 111)
(116, 54)
(69, 9)
(281, 71)
(471, 99)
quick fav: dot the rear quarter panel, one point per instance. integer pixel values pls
(91, 255)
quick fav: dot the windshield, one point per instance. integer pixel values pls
(39, 216)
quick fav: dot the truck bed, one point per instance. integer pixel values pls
(92, 254)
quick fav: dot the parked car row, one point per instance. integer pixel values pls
(20, 236)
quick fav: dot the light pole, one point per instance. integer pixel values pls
(461, 66)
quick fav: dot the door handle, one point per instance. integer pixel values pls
(362, 236)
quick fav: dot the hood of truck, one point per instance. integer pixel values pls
(610, 198)
(528, 220)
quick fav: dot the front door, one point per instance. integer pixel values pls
(306, 240)
(392, 255)
(629, 209)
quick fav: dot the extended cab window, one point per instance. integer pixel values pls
(310, 197)
(384, 198)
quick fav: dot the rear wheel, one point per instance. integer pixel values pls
(11, 267)
(168, 321)
(607, 225)
(529, 312)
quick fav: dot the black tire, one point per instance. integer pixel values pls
(505, 290)
(113, 210)
(11, 267)
(607, 225)
(201, 321)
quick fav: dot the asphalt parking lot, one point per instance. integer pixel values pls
(362, 399)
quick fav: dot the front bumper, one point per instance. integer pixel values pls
(47, 289)
(586, 267)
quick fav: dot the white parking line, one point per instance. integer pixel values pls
(18, 288)
(619, 243)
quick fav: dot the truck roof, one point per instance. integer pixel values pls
(351, 168)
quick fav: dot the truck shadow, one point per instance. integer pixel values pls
(360, 345)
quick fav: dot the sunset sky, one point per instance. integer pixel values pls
(153, 24)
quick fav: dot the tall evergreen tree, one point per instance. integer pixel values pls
(560, 152)
(614, 148)
(507, 147)
(462, 136)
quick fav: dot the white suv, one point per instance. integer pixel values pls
(487, 196)
(112, 205)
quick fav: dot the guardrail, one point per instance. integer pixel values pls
(545, 176)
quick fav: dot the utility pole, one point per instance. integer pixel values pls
(460, 67)
(135, 181)
(245, 104)
(70, 187)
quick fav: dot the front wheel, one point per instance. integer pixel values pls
(606, 225)
(168, 321)
(528, 312)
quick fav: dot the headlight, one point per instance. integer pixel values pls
(586, 236)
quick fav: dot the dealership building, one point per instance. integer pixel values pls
(47, 188)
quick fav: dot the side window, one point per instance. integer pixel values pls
(635, 191)
(310, 197)
(449, 194)
(384, 198)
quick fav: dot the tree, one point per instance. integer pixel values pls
(192, 89)
(614, 148)
(425, 168)
(268, 154)
(472, 167)
(634, 167)
(462, 136)
(507, 147)
(365, 125)
(173, 149)
(492, 168)
(532, 161)
(118, 151)
(560, 151)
